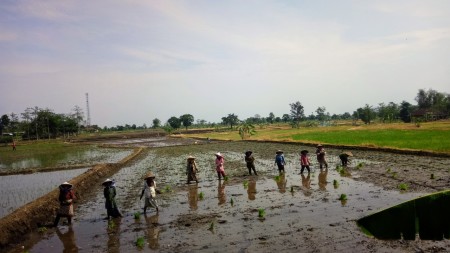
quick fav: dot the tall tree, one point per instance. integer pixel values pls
(187, 120)
(156, 123)
(271, 118)
(405, 111)
(174, 122)
(297, 112)
(321, 113)
(4, 122)
(77, 115)
(231, 120)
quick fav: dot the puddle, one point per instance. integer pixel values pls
(302, 212)
(18, 190)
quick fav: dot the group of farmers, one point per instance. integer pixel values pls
(149, 190)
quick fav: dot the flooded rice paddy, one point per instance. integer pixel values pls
(90, 156)
(301, 212)
(18, 190)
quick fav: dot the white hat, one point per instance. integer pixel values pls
(219, 154)
(107, 181)
(66, 183)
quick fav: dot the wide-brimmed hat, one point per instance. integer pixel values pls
(319, 145)
(279, 152)
(219, 154)
(107, 181)
(304, 152)
(348, 153)
(149, 175)
(66, 183)
(191, 157)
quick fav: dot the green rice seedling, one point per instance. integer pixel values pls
(394, 175)
(111, 224)
(292, 188)
(167, 189)
(388, 170)
(360, 165)
(211, 226)
(232, 202)
(245, 183)
(225, 178)
(432, 176)
(261, 212)
(42, 229)
(201, 195)
(140, 242)
(277, 178)
(338, 167)
(335, 183)
(137, 215)
(343, 197)
(403, 187)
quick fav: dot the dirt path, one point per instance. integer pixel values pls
(302, 214)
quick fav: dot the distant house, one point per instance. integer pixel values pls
(427, 115)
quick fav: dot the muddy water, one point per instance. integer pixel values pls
(17, 190)
(301, 213)
(90, 156)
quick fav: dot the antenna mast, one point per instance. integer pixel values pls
(88, 120)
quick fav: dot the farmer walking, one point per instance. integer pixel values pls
(250, 160)
(109, 192)
(219, 165)
(191, 170)
(150, 192)
(279, 161)
(66, 197)
(304, 161)
(14, 145)
(320, 152)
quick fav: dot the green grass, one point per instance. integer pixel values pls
(261, 213)
(201, 196)
(395, 138)
(431, 136)
(137, 215)
(140, 242)
(403, 187)
(343, 197)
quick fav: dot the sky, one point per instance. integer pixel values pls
(144, 59)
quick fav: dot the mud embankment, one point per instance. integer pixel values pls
(43, 210)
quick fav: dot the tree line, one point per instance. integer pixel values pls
(42, 123)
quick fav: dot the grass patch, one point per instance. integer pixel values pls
(42, 230)
(343, 197)
(137, 215)
(140, 242)
(201, 196)
(403, 187)
(261, 212)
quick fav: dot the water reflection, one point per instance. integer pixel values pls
(221, 193)
(193, 197)
(68, 239)
(27, 163)
(153, 231)
(113, 231)
(306, 183)
(281, 183)
(323, 179)
(251, 190)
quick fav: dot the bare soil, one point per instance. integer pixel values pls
(302, 213)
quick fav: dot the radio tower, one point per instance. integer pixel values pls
(88, 120)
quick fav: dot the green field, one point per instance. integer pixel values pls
(431, 136)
